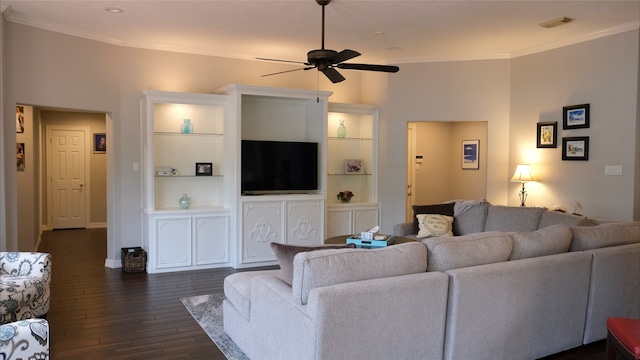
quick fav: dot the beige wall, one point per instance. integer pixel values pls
(47, 69)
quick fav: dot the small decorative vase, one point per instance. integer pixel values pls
(342, 131)
(187, 127)
(184, 202)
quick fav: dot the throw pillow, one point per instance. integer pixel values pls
(433, 225)
(285, 253)
(440, 209)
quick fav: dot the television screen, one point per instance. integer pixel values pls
(279, 166)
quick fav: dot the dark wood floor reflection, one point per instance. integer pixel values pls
(100, 313)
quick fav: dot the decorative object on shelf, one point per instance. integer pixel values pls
(522, 175)
(345, 196)
(187, 127)
(471, 154)
(575, 148)
(166, 171)
(204, 169)
(547, 134)
(575, 117)
(184, 202)
(353, 166)
(342, 131)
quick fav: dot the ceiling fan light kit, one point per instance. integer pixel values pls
(326, 60)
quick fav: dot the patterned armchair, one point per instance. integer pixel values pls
(25, 339)
(25, 282)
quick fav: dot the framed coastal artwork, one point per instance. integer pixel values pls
(471, 154)
(575, 148)
(575, 117)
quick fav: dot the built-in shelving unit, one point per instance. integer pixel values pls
(197, 237)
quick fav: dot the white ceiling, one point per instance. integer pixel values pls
(412, 31)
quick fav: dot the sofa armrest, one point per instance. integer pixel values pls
(403, 229)
(25, 264)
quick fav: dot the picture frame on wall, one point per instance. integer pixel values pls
(547, 134)
(19, 119)
(353, 166)
(20, 156)
(471, 154)
(99, 143)
(575, 148)
(204, 169)
(575, 117)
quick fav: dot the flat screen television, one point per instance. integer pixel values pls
(278, 167)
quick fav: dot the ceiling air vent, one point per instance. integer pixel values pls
(556, 22)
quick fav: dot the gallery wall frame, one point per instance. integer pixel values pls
(470, 154)
(99, 143)
(575, 148)
(575, 117)
(547, 135)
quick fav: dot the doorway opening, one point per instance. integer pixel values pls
(435, 166)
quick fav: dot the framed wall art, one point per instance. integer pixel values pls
(471, 154)
(575, 148)
(99, 143)
(547, 135)
(204, 169)
(353, 166)
(20, 156)
(575, 117)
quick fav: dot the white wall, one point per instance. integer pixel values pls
(603, 73)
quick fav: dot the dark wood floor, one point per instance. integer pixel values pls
(100, 313)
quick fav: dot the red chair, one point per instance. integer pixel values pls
(623, 338)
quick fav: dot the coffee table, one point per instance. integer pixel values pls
(342, 239)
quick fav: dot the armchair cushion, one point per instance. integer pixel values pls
(25, 339)
(25, 281)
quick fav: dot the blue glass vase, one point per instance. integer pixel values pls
(187, 127)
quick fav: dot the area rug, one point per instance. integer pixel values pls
(207, 311)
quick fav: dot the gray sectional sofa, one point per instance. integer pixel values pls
(515, 283)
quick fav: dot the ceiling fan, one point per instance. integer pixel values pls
(326, 60)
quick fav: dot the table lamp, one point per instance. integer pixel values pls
(522, 175)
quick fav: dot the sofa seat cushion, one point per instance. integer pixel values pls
(321, 268)
(605, 235)
(551, 240)
(237, 289)
(445, 253)
(285, 253)
(513, 218)
(549, 218)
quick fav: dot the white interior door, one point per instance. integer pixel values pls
(411, 171)
(66, 169)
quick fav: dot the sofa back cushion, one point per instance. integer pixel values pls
(470, 220)
(551, 240)
(605, 235)
(549, 218)
(445, 253)
(285, 253)
(329, 267)
(513, 218)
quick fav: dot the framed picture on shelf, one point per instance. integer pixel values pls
(99, 143)
(575, 148)
(353, 166)
(204, 169)
(575, 117)
(471, 154)
(547, 134)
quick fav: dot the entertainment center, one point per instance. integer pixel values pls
(276, 159)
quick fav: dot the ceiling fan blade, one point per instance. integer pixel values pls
(333, 75)
(343, 55)
(278, 60)
(287, 71)
(369, 67)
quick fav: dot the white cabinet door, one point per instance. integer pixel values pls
(262, 223)
(211, 235)
(365, 219)
(173, 239)
(304, 222)
(339, 222)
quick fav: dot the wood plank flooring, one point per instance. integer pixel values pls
(100, 313)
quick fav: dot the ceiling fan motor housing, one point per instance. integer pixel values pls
(320, 56)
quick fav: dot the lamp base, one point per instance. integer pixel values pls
(523, 195)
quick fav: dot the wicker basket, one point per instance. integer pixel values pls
(134, 259)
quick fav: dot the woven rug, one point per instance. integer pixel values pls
(207, 311)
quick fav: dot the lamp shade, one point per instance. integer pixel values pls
(523, 174)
